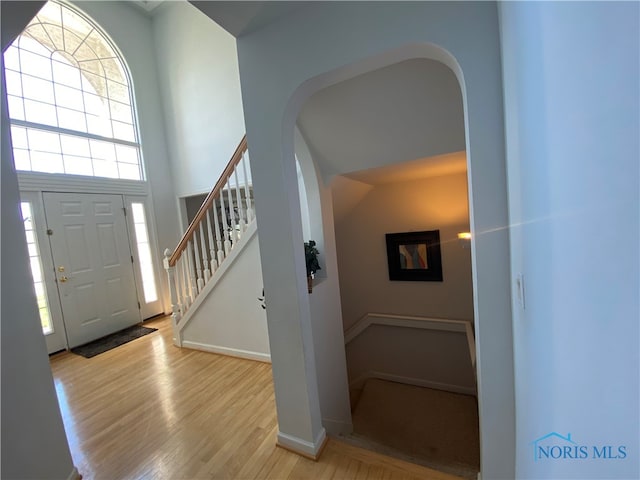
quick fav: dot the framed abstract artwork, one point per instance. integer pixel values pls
(414, 256)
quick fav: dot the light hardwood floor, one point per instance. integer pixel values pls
(149, 410)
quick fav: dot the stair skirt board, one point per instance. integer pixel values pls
(359, 382)
(303, 447)
(252, 229)
(232, 352)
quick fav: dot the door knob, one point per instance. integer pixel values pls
(63, 279)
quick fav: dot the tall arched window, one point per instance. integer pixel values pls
(70, 100)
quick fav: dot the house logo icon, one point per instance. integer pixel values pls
(554, 446)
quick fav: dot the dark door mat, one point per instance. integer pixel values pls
(114, 340)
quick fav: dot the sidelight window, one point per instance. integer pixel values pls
(36, 268)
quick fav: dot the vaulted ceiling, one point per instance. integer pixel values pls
(408, 112)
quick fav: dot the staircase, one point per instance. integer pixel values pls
(222, 227)
(428, 427)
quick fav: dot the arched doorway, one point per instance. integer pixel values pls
(366, 133)
(490, 261)
(280, 67)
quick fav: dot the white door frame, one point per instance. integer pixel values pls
(33, 187)
(57, 340)
(147, 309)
(99, 298)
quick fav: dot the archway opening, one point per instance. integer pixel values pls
(389, 146)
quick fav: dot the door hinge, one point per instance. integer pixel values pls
(49, 231)
(124, 209)
(138, 305)
(131, 258)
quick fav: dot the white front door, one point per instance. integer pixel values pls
(93, 264)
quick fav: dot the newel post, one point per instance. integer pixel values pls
(175, 308)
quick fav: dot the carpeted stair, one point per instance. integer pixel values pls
(430, 427)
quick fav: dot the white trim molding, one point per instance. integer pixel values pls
(303, 447)
(423, 323)
(359, 382)
(428, 323)
(58, 182)
(231, 352)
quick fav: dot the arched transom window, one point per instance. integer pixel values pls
(70, 99)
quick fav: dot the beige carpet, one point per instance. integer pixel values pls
(435, 428)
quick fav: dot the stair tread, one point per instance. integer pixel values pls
(375, 454)
(433, 428)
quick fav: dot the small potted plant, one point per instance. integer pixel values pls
(311, 257)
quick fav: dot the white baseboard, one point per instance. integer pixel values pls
(232, 352)
(74, 475)
(425, 323)
(303, 447)
(359, 382)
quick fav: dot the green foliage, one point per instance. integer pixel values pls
(311, 257)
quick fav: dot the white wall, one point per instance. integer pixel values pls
(304, 205)
(346, 194)
(33, 440)
(324, 302)
(436, 203)
(321, 44)
(571, 76)
(200, 86)
(230, 319)
(131, 31)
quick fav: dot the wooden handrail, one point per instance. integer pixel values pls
(208, 202)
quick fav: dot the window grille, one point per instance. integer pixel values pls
(70, 99)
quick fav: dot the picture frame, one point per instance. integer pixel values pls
(414, 256)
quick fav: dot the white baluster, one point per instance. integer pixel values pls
(233, 234)
(178, 281)
(225, 225)
(179, 286)
(184, 264)
(196, 252)
(205, 260)
(212, 253)
(216, 222)
(192, 273)
(241, 212)
(247, 191)
(175, 311)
